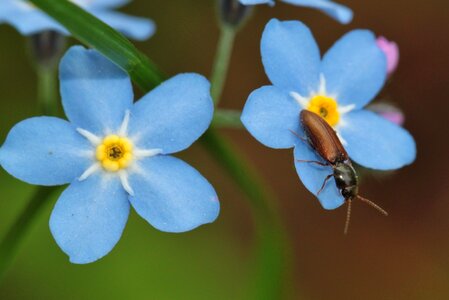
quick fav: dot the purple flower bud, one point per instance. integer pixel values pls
(391, 51)
(388, 111)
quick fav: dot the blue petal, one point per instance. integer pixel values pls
(89, 218)
(45, 151)
(375, 142)
(95, 92)
(313, 176)
(6, 9)
(291, 56)
(339, 12)
(32, 21)
(172, 196)
(270, 115)
(173, 115)
(133, 27)
(355, 68)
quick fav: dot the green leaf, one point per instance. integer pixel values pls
(97, 34)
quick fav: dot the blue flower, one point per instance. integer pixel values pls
(115, 154)
(28, 19)
(337, 11)
(337, 87)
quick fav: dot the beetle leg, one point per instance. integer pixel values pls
(324, 183)
(300, 137)
(313, 162)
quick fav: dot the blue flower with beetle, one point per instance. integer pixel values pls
(336, 87)
(28, 19)
(337, 11)
(115, 154)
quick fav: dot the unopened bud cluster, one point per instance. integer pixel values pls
(233, 13)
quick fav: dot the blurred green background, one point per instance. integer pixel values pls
(404, 256)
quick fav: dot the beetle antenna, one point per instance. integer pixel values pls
(372, 204)
(348, 216)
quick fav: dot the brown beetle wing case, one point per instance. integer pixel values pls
(323, 137)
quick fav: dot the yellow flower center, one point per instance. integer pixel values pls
(326, 107)
(114, 153)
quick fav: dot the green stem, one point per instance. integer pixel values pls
(10, 243)
(227, 118)
(47, 93)
(273, 248)
(222, 59)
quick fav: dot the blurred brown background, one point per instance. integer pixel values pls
(404, 256)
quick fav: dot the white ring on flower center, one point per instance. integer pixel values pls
(123, 173)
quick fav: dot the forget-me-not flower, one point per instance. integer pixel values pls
(115, 154)
(28, 19)
(337, 11)
(337, 87)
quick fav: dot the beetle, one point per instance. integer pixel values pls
(325, 142)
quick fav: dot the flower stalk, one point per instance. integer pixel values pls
(10, 243)
(222, 59)
(232, 15)
(47, 92)
(227, 118)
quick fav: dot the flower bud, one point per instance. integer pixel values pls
(233, 13)
(46, 47)
(391, 51)
(388, 111)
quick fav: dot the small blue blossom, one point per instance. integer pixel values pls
(337, 87)
(337, 11)
(28, 19)
(115, 154)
